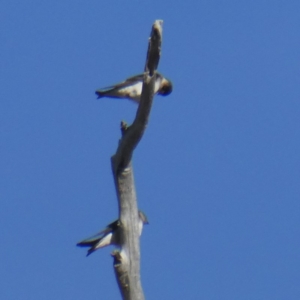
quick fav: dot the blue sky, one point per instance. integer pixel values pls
(217, 171)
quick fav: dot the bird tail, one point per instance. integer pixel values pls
(91, 244)
(100, 94)
(90, 251)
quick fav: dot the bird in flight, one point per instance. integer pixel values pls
(109, 236)
(131, 88)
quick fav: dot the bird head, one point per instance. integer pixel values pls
(143, 217)
(166, 87)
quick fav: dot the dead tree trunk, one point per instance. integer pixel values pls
(127, 259)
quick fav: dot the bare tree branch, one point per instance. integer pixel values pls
(127, 260)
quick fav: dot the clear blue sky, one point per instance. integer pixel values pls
(217, 172)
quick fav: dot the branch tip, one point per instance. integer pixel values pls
(154, 47)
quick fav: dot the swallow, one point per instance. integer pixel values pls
(131, 88)
(109, 236)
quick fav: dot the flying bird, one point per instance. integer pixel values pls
(131, 88)
(109, 236)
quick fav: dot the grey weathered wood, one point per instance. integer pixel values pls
(127, 260)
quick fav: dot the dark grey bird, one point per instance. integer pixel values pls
(131, 88)
(109, 236)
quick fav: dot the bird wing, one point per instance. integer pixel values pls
(94, 239)
(127, 82)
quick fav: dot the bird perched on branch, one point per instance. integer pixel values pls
(131, 88)
(109, 236)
